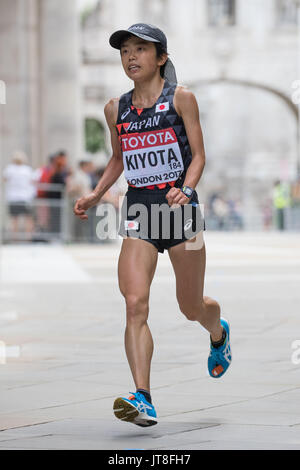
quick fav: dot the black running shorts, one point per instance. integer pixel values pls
(146, 214)
(19, 208)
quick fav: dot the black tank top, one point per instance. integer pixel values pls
(154, 144)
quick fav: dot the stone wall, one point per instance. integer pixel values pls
(39, 62)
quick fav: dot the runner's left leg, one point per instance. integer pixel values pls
(189, 268)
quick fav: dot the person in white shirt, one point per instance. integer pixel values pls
(20, 191)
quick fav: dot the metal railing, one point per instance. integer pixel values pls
(286, 220)
(47, 219)
(51, 219)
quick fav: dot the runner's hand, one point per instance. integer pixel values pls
(176, 198)
(83, 204)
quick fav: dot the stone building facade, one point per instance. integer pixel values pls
(40, 66)
(239, 58)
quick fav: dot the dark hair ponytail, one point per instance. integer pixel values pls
(160, 51)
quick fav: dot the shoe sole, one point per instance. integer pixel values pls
(127, 412)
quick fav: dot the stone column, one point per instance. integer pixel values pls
(40, 65)
(14, 116)
(59, 78)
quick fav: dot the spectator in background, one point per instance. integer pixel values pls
(112, 195)
(295, 193)
(211, 199)
(235, 217)
(295, 203)
(266, 208)
(43, 176)
(221, 211)
(59, 174)
(20, 191)
(281, 200)
(79, 184)
(59, 178)
(82, 182)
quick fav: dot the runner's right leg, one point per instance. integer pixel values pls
(137, 264)
(136, 268)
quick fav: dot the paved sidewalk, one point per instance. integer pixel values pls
(62, 321)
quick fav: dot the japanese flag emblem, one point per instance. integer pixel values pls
(131, 224)
(161, 107)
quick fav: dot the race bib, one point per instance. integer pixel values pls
(151, 157)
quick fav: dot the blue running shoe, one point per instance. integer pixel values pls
(135, 409)
(220, 358)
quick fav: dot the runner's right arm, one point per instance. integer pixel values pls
(113, 169)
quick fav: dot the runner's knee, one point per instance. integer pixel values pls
(137, 307)
(193, 312)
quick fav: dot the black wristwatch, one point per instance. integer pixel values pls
(187, 191)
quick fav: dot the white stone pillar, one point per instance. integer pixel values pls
(13, 71)
(59, 78)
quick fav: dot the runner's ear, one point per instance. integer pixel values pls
(163, 59)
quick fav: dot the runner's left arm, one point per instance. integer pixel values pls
(187, 107)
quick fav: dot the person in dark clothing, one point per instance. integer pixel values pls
(59, 177)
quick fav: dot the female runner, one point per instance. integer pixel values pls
(157, 141)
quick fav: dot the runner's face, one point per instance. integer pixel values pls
(139, 58)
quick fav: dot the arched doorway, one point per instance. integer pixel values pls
(251, 185)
